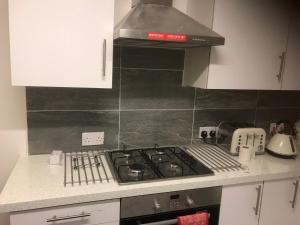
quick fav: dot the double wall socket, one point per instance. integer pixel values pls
(208, 130)
(92, 138)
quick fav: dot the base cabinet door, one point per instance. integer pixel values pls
(280, 202)
(240, 204)
(105, 213)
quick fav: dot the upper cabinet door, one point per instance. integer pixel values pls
(61, 43)
(255, 34)
(279, 202)
(291, 75)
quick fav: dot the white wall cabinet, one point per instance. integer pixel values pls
(105, 213)
(256, 34)
(291, 75)
(240, 204)
(269, 203)
(280, 203)
(61, 43)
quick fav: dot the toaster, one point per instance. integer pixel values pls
(232, 135)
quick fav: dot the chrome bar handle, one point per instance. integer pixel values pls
(80, 216)
(256, 208)
(166, 222)
(104, 59)
(296, 184)
(282, 62)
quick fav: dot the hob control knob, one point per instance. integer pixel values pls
(157, 205)
(189, 201)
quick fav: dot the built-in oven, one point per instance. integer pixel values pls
(164, 208)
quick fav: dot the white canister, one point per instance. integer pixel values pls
(246, 154)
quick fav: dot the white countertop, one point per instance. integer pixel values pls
(34, 184)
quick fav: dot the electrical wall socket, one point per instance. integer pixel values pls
(208, 130)
(92, 138)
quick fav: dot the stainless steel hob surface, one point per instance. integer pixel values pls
(149, 164)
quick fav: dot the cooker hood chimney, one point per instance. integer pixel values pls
(155, 23)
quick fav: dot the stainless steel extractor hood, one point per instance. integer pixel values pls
(155, 23)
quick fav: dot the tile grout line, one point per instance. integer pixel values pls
(129, 110)
(109, 110)
(157, 109)
(120, 88)
(87, 110)
(193, 121)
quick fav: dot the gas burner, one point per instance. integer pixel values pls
(160, 152)
(174, 166)
(123, 161)
(127, 154)
(136, 168)
(156, 155)
(171, 169)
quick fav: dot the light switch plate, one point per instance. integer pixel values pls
(92, 138)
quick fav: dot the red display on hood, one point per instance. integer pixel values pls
(167, 37)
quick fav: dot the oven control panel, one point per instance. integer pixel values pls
(167, 202)
(174, 201)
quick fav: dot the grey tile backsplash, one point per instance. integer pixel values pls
(147, 105)
(41, 98)
(154, 89)
(166, 127)
(226, 99)
(50, 130)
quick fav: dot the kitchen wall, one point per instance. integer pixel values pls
(13, 127)
(147, 105)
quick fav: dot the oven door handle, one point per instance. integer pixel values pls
(165, 222)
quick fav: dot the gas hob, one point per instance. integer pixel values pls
(139, 165)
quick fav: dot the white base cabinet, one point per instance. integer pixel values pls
(280, 203)
(269, 203)
(104, 213)
(238, 204)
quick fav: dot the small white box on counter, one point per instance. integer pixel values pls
(56, 157)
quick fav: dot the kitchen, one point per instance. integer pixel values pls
(146, 105)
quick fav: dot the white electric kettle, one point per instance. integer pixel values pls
(283, 143)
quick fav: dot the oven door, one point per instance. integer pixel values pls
(170, 218)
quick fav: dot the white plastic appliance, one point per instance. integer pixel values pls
(283, 145)
(231, 136)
